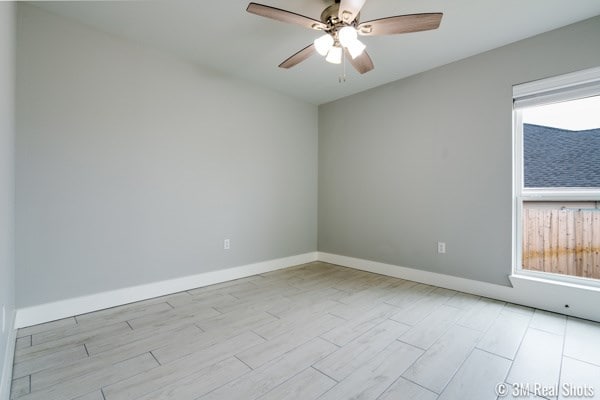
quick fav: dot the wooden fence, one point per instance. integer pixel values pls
(562, 241)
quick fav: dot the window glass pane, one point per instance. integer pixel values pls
(561, 144)
(562, 238)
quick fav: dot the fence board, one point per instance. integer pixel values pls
(596, 242)
(571, 260)
(587, 244)
(554, 249)
(539, 251)
(562, 246)
(578, 244)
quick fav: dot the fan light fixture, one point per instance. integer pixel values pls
(348, 38)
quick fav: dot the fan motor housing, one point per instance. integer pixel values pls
(330, 16)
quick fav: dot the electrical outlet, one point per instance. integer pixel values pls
(226, 244)
(441, 247)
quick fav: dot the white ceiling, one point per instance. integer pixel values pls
(220, 35)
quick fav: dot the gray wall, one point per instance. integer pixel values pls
(7, 185)
(429, 158)
(133, 166)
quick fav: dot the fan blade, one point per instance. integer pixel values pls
(400, 24)
(362, 63)
(299, 57)
(285, 16)
(349, 10)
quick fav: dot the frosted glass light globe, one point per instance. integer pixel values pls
(323, 44)
(335, 55)
(347, 35)
(356, 48)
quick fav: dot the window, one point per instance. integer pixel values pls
(557, 177)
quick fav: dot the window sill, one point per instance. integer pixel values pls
(521, 278)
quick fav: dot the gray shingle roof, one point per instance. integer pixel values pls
(561, 158)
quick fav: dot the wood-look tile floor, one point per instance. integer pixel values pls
(316, 331)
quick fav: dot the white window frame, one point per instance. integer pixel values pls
(546, 91)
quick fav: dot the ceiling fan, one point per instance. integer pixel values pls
(340, 23)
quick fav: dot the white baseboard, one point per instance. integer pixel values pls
(7, 363)
(532, 292)
(538, 293)
(80, 305)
